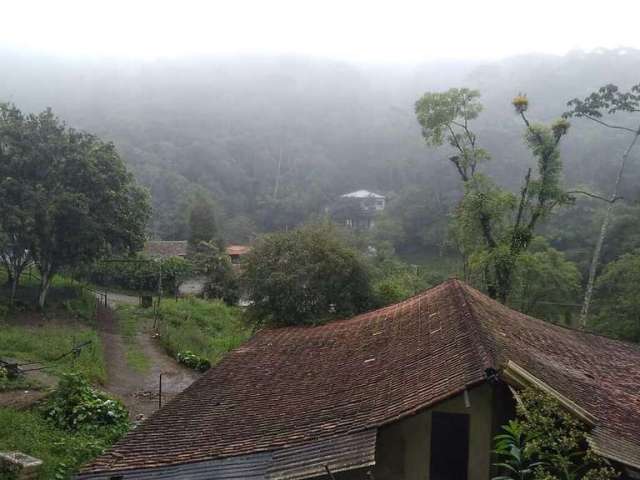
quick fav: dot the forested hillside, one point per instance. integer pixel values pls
(274, 140)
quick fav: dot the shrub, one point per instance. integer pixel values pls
(194, 361)
(212, 262)
(77, 406)
(545, 442)
(305, 276)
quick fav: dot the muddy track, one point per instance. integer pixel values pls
(139, 391)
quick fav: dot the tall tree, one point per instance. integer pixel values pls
(608, 100)
(16, 198)
(85, 203)
(505, 223)
(202, 223)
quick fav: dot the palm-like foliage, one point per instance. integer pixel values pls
(515, 463)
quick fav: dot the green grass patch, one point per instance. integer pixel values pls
(129, 326)
(136, 358)
(20, 383)
(47, 342)
(61, 451)
(207, 328)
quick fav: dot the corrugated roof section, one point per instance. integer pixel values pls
(347, 452)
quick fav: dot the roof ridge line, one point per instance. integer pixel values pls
(470, 318)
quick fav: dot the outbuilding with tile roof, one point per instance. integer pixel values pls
(415, 390)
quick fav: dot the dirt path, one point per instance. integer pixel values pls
(115, 299)
(139, 391)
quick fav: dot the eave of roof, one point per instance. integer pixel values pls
(339, 454)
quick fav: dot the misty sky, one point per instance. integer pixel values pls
(403, 31)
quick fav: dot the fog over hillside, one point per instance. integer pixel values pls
(274, 139)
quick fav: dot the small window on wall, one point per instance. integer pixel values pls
(449, 446)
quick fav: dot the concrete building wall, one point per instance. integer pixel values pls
(403, 448)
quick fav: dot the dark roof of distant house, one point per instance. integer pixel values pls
(165, 248)
(290, 386)
(237, 249)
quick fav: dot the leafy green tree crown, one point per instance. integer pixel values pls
(305, 276)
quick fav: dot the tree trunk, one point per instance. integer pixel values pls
(7, 267)
(14, 287)
(503, 283)
(492, 289)
(45, 283)
(595, 260)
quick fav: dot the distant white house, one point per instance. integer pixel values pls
(358, 209)
(368, 200)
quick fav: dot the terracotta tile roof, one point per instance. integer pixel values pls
(237, 249)
(599, 374)
(289, 386)
(165, 248)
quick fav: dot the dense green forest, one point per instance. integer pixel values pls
(270, 142)
(274, 140)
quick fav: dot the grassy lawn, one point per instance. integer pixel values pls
(207, 328)
(47, 342)
(72, 313)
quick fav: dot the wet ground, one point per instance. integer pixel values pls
(139, 391)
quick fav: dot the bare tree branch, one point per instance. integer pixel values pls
(593, 195)
(608, 125)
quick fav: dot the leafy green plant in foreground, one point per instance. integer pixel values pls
(510, 449)
(545, 442)
(77, 423)
(77, 406)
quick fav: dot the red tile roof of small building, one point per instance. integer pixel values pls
(237, 249)
(293, 385)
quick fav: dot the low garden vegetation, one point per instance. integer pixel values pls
(75, 424)
(193, 361)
